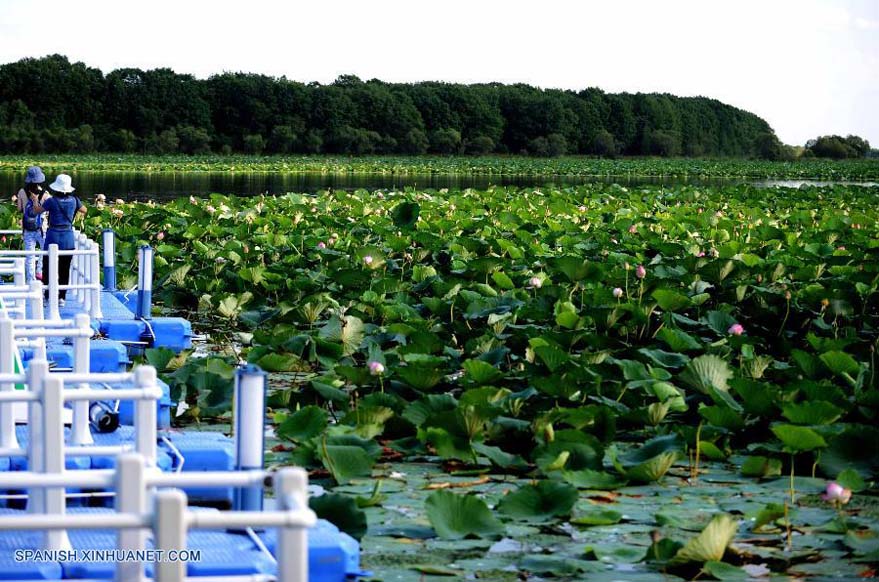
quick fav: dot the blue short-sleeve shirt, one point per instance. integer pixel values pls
(61, 211)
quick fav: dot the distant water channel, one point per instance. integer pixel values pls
(170, 185)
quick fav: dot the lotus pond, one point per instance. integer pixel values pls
(592, 382)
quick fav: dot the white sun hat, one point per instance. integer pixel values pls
(62, 184)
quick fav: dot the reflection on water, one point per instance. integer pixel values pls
(169, 185)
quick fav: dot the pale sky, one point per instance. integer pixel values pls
(809, 67)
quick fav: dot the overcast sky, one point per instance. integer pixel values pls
(808, 67)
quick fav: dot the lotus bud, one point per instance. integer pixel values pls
(837, 494)
(640, 272)
(367, 260)
(617, 292)
(321, 245)
(548, 432)
(535, 282)
(736, 329)
(376, 368)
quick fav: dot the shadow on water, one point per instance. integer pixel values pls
(170, 185)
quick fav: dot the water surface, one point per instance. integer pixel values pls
(170, 185)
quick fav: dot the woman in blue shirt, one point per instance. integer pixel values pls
(62, 209)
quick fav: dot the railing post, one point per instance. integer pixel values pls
(131, 497)
(109, 244)
(73, 279)
(53, 282)
(249, 417)
(84, 294)
(18, 275)
(79, 427)
(7, 366)
(291, 489)
(144, 281)
(94, 260)
(78, 278)
(145, 416)
(53, 451)
(36, 300)
(37, 372)
(170, 533)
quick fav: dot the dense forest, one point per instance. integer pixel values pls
(52, 105)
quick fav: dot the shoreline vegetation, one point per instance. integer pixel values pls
(580, 166)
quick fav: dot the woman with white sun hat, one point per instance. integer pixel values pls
(62, 209)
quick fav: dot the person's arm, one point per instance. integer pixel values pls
(37, 208)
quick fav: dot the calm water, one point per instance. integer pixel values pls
(167, 185)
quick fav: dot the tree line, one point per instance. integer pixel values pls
(52, 105)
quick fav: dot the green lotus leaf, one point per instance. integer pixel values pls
(707, 372)
(670, 300)
(405, 214)
(305, 423)
(678, 340)
(459, 516)
(711, 544)
(592, 479)
(798, 439)
(539, 502)
(840, 363)
(342, 511)
(347, 456)
(762, 467)
(598, 517)
(346, 330)
(651, 461)
(812, 412)
(480, 372)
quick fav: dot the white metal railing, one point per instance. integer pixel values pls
(84, 283)
(136, 482)
(141, 510)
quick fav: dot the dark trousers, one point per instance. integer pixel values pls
(63, 272)
(65, 241)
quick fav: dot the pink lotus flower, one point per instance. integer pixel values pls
(633, 229)
(367, 260)
(640, 271)
(736, 329)
(617, 292)
(376, 368)
(535, 282)
(700, 254)
(161, 235)
(321, 245)
(837, 494)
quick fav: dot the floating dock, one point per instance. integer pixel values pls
(94, 482)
